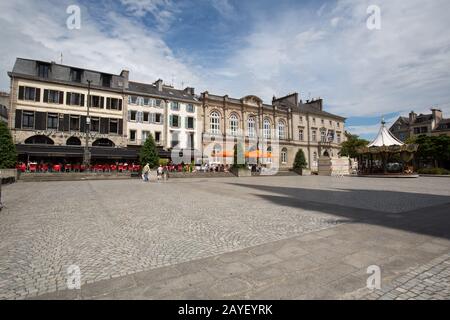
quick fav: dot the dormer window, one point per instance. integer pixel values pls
(43, 70)
(106, 80)
(75, 74)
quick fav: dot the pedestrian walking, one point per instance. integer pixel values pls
(146, 172)
(159, 172)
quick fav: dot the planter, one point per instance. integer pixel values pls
(302, 172)
(241, 172)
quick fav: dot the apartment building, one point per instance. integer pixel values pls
(49, 107)
(169, 114)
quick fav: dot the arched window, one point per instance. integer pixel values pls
(251, 124)
(214, 125)
(281, 130)
(103, 142)
(234, 125)
(284, 156)
(266, 129)
(73, 141)
(39, 140)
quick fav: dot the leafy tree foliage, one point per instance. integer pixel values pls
(149, 153)
(352, 143)
(8, 154)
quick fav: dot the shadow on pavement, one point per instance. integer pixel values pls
(425, 214)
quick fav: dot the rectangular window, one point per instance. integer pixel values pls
(132, 99)
(146, 117)
(43, 70)
(158, 103)
(314, 135)
(28, 120)
(338, 138)
(113, 126)
(74, 99)
(133, 115)
(132, 135)
(97, 102)
(174, 106)
(95, 124)
(300, 135)
(29, 93)
(157, 137)
(190, 123)
(52, 121)
(158, 118)
(74, 123)
(75, 74)
(113, 104)
(53, 96)
(106, 80)
(174, 121)
(190, 107)
(331, 123)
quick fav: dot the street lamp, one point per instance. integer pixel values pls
(87, 153)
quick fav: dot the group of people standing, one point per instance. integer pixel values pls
(162, 173)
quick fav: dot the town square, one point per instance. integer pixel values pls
(242, 151)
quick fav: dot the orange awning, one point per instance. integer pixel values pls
(258, 154)
(224, 154)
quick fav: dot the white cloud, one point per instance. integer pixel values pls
(109, 45)
(358, 72)
(164, 11)
(224, 7)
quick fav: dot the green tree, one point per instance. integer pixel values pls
(350, 146)
(149, 153)
(300, 161)
(238, 156)
(8, 154)
(435, 149)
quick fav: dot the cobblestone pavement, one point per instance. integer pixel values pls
(127, 234)
(430, 281)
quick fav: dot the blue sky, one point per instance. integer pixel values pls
(317, 48)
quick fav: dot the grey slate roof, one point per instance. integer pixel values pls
(59, 73)
(305, 108)
(167, 92)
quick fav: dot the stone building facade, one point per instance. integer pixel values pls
(49, 108)
(49, 105)
(169, 114)
(432, 124)
(270, 134)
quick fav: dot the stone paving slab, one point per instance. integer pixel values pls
(274, 237)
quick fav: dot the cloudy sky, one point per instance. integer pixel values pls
(261, 47)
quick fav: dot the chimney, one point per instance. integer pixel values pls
(412, 117)
(125, 74)
(159, 84)
(190, 91)
(437, 115)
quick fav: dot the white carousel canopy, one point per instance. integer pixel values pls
(385, 138)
